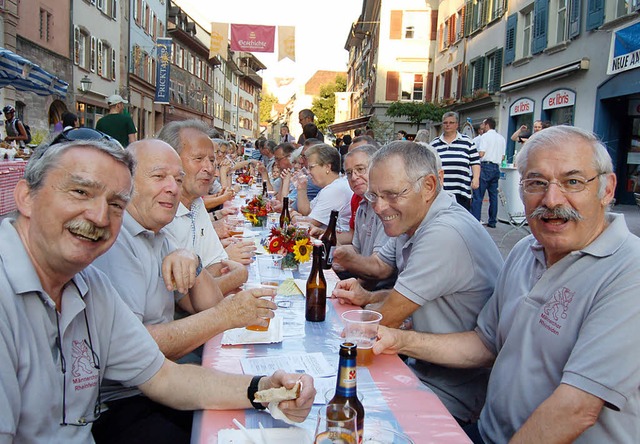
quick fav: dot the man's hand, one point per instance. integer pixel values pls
(475, 183)
(389, 341)
(179, 270)
(241, 251)
(296, 409)
(222, 229)
(249, 307)
(351, 292)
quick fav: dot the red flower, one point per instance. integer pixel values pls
(275, 244)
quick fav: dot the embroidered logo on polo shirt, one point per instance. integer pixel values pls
(555, 310)
(84, 374)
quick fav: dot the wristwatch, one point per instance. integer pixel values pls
(251, 392)
(199, 267)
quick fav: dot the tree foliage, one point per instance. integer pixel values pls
(324, 107)
(416, 112)
(266, 105)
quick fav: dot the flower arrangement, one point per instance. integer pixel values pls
(245, 179)
(291, 242)
(256, 211)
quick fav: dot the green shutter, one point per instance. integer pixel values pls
(495, 77)
(478, 74)
(468, 17)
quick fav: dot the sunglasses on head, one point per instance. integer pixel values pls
(73, 134)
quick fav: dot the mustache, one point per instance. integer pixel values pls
(544, 212)
(87, 229)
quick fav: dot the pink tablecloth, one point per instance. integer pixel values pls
(10, 173)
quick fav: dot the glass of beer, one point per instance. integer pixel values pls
(336, 425)
(270, 285)
(236, 225)
(361, 328)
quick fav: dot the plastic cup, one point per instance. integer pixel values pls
(273, 220)
(270, 285)
(269, 267)
(236, 225)
(361, 328)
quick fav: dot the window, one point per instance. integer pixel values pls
(136, 11)
(617, 8)
(411, 86)
(525, 50)
(93, 54)
(82, 50)
(415, 24)
(494, 71)
(106, 65)
(100, 4)
(45, 25)
(478, 16)
(561, 28)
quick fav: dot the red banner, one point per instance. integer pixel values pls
(252, 38)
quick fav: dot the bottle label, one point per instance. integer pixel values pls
(347, 379)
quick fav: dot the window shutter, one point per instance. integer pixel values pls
(76, 45)
(92, 60)
(434, 24)
(100, 59)
(510, 41)
(437, 93)
(574, 18)
(495, 78)
(447, 84)
(113, 64)
(393, 85)
(485, 12)
(595, 14)
(428, 92)
(462, 22)
(460, 78)
(478, 74)
(540, 19)
(395, 31)
(114, 9)
(452, 29)
(441, 39)
(468, 18)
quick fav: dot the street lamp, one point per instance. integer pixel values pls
(85, 84)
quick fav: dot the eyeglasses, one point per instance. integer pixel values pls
(278, 159)
(309, 167)
(568, 185)
(73, 134)
(359, 170)
(390, 198)
(97, 409)
(449, 123)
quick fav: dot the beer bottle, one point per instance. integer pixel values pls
(285, 218)
(264, 189)
(316, 304)
(329, 240)
(346, 387)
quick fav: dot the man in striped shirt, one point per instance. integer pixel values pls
(460, 160)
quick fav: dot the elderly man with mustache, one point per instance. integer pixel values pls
(63, 327)
(560, 329)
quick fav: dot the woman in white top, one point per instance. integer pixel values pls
(323, 164)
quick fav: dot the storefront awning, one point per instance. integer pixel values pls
(348, 125)
(25, 75)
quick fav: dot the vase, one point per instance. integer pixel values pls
(289, 263)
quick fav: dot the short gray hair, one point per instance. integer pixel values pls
(567, 135)
(170, 133)
(369, 150)
(418, 161)
(47, 157)
(327, 155)
(222, 142)
(451, 114)
(422, 136)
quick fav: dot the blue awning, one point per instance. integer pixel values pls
(24, 75)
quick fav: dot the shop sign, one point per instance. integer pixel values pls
(163, 70)
(559, 99)
(625, 49)
(521, 106)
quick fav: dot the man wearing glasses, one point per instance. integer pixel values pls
(560, 330)
(447, 265)
(367, 235)
(62, 325)
(460, 160)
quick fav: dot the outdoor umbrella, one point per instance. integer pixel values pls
(24, 75)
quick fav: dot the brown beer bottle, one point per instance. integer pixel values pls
(316, 304)
(285, 218)
(346, 387)
(264, 189)
(330, 241)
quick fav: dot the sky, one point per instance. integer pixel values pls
(322, 28)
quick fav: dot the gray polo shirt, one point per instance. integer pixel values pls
(369, 235)
(578, 323)
(31, 378)
(134, 266)
(449, 267)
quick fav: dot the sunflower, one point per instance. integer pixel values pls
(302, 250)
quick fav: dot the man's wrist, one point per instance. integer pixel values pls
(251, 392)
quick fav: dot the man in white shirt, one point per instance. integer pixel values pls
(491, 149)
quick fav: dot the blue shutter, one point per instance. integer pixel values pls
(595, 14)
(574, 18)
(540, 20)
(510, 41)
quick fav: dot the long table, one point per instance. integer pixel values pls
(10, 173)
(393, 396)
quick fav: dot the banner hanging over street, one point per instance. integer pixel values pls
(287, 42)
(252, 38)
(163, 70)
(219, 37)
(625, 49)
